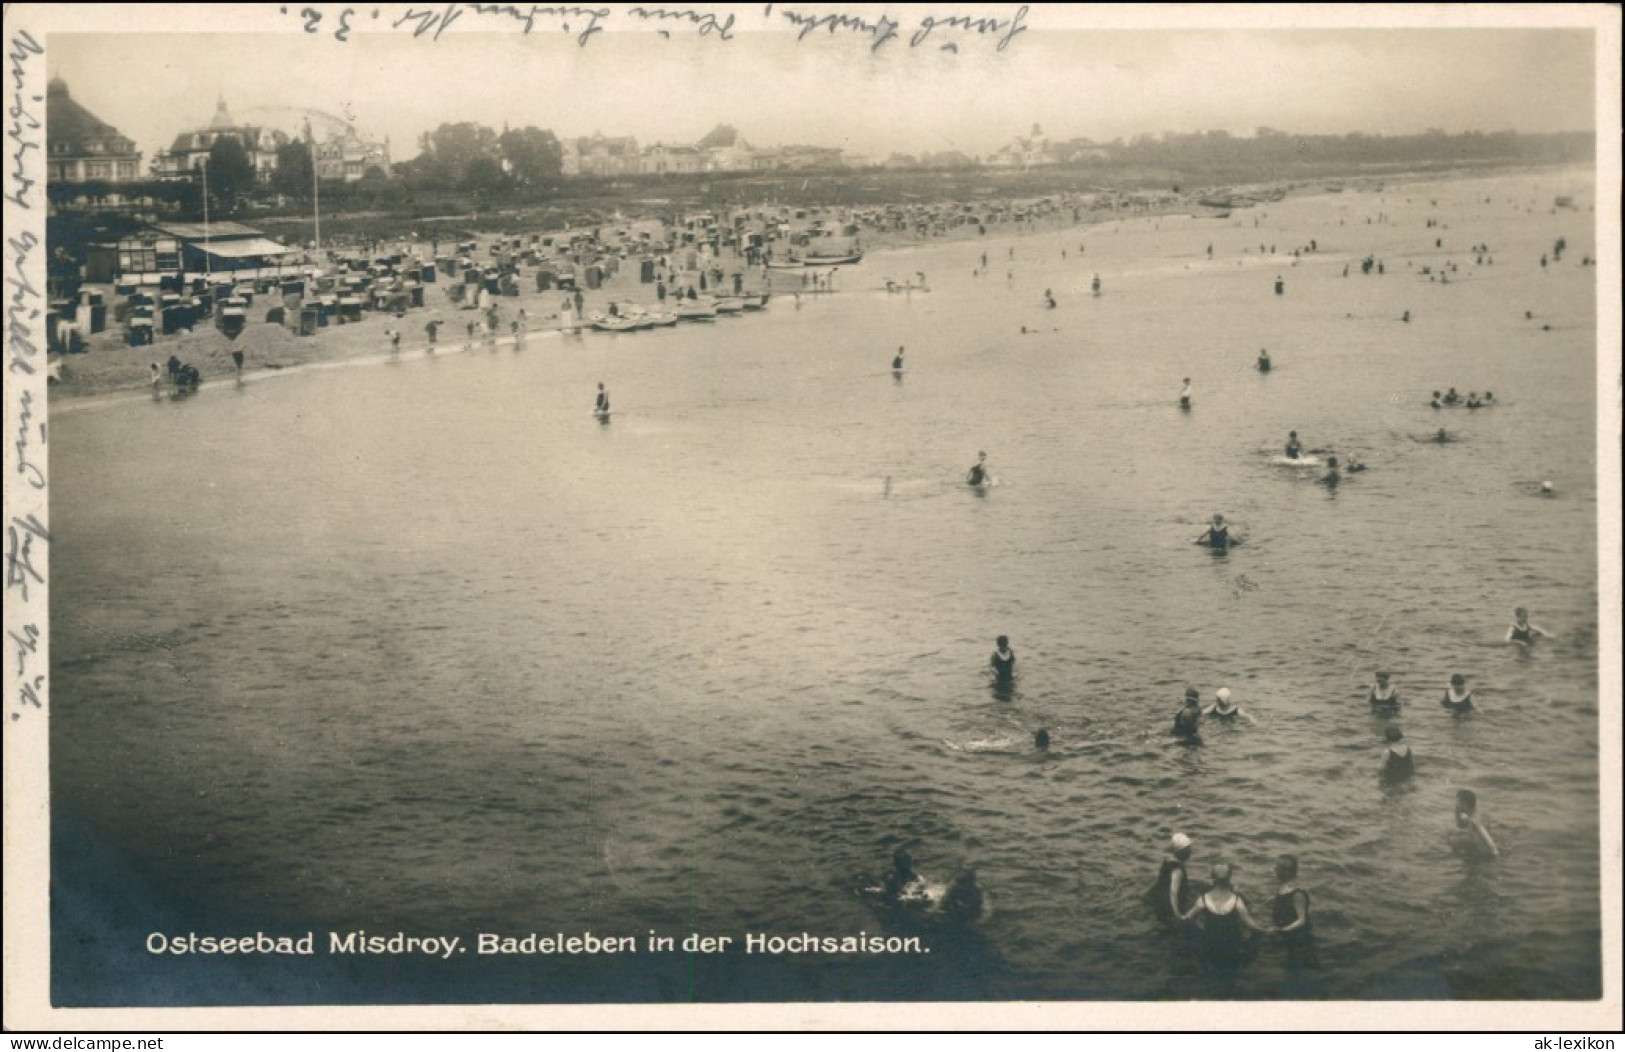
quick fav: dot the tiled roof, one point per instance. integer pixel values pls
(70, 123)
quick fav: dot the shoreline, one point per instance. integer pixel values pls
(110, 368)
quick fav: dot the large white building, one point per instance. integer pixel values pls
(191, 148)
(81, 147)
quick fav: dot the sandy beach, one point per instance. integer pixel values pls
(108, 365)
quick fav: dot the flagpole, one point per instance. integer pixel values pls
(208, 269)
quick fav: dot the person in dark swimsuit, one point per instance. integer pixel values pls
(1216, 537)
(902, 884)
(1522, 631)
(1185, 395)
(1397, 762)
(897, 362)
(1172, 894)
(1003, 661)
(1457, 698)
(1263, 360)
(1188, 720)
(1293, 448)
(963, 901)
(1332, 476)
(601, 405)
(1290, 910)
(978, 471)
(1223, 916)
(1383, 697)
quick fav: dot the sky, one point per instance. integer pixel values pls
(828, 89)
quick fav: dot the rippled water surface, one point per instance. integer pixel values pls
(423, 647)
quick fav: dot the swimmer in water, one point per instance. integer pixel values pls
(1222, 914)
(1224, 711)
(963, 901)
(1383, 697)
(1471, 834)
(1441, 436)
(1290, 910)
(897, 362)
(600, 406)
(1188, 720)
(902, 884)
(977, 475)
(1293, 448)
(1546, 489)
(1438, 401)
(1185, 395)
(1332, 476)
(1354, 465)
(1451, 397)
(1049, 299)
(1041, 740)
(1217, 536)
(1263, 360)
(1172, 894)
(1457, 698)
(1397, 762)
(1521, 631)
(1003, 661)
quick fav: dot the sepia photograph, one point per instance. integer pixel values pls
(813, 505)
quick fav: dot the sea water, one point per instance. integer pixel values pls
(423, 647)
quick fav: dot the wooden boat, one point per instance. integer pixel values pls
(696, 310)
(817, 259)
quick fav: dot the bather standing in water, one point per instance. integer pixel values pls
(1521, 631)
(1003, 661)
(1471, 835)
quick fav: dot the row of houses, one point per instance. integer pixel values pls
(722, 150)
(82, 147)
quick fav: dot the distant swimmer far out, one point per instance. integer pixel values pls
(1185, 394)
(600, 406)
(1263, 360)
(1294, 449)
(1521, 631)
(978, 473)
(897, 362)
(1216, 536)
(1003, 661)
(1457, 698)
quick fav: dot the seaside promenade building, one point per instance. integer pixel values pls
(349, 158)
(191, 148)
(82, 147)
